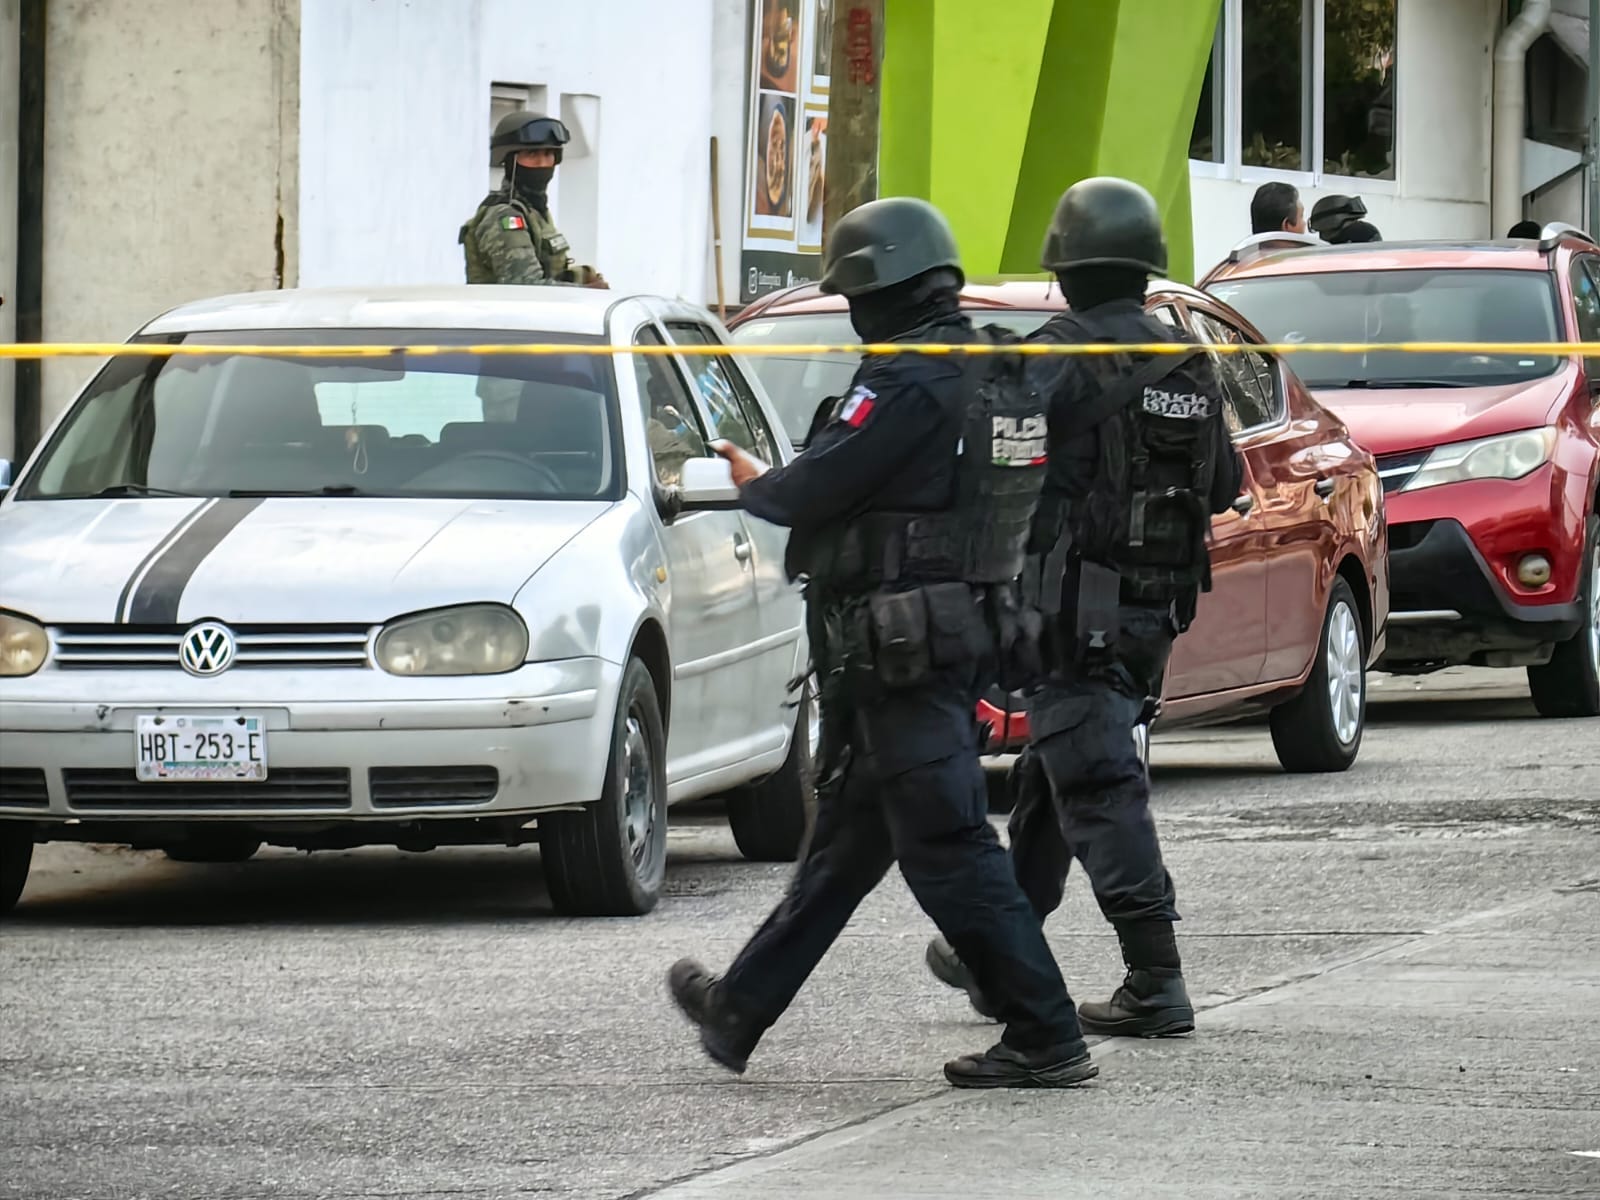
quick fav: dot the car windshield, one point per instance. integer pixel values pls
(1403, 306)
(457, 425)
(798, 384)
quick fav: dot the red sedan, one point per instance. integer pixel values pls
(1300, 594)
(1491, 461)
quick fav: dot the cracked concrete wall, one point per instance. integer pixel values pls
(172, 163)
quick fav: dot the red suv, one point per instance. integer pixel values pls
(1300, 589)
(1490, 462)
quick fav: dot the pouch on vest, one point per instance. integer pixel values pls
(901, 651)
(957, 631)
(1099, 596)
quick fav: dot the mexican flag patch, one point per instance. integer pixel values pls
(857, 407)
(513, 222)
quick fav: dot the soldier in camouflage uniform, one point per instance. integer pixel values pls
(511, 238)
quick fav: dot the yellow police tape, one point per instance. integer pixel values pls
(41, 350)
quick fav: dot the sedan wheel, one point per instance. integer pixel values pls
(772, 819)
(610, 859)
(16, 855)
(1569, 684)
(1321, 728)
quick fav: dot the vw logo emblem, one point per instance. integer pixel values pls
(207, 649)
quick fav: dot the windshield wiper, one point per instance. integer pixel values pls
(1381, 384)
(134, 489)
(327, 489)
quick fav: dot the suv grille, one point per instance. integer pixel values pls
(23, 787)
(1396, 470)
(287, 787)
(98, 647)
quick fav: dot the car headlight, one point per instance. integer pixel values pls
(474, 639)
(1508, 456)
(24, 645)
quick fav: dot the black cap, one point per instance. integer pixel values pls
(1106, 222)
(885, 242)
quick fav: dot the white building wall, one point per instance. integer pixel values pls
(730, 69)
(169, 163)
(394, 126)
(1445, 52)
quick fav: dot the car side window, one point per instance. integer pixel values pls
(1586, 300)
(1245, 382)
(672, 427)
(1167, 315)
(735, 415)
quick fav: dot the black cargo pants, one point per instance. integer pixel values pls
(912, 791)
(1081, 791)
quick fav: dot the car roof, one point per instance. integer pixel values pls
(1039, 293)
(1520, 254)
(569, 310)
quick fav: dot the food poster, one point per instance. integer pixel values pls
(786, 157)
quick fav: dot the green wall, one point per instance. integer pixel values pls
(992, 108)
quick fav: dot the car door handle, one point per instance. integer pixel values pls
(1243, 504)
(1325, 487)
(742, 550)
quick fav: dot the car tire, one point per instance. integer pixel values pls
(214, 848)
(609, 859)
(1321, 728)
(1569, 684)
(771, 820)
(16, 856)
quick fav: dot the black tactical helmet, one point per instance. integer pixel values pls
(526, 131)
(885, 242)
(1105, 222)
(1332, 213)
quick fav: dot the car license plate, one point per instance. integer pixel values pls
(183, 746)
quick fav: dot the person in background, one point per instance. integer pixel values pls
(1276, 208)
(1524, 229)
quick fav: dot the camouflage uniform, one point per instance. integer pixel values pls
(509, 241)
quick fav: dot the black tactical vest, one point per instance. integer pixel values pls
(1146, 515)
(981, 538)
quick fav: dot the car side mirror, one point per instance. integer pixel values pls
(707, 483)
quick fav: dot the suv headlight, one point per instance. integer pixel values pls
(24, 645)
(473, 639)
(1507, 456)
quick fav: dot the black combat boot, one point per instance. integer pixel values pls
(1152, 1001)
(727, 1035)
(1003, 1066)
(948, 969)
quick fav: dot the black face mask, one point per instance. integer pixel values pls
(532, 183)
(897, 310)
(1090, 287)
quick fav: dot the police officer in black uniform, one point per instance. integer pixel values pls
(1140, 458)
(899, 517)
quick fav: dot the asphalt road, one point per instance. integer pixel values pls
(377, 1024)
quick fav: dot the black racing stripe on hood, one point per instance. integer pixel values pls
(156, 551)
(155, 602)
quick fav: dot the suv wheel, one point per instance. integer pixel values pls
(610, 858)
(1321, 728)
(1569, 684)
(16, 855)
(772, 819)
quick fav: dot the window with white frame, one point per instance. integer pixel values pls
(1302, 86)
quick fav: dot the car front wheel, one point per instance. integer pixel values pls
(1569, 684)
(610, 858)
(1321, 728)
(771, 819)
(16, 855)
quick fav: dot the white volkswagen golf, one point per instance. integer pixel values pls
(330, 600)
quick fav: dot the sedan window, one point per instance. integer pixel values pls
(733, 409)
(672, 427)
(1253, 397)
(1403, 306)
(452, 424)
